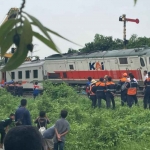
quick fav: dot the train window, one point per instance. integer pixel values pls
(35, 73)
(123, 60)
(19, 74)
(13, 75)
(27, 74)
(142, 62)
(71, 67)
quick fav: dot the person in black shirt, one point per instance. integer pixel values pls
(4, 127)
(42, 120)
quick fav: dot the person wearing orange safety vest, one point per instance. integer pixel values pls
(100, 92)
(110, 93)
(131, 91)
(122, 84)
(147, 92)
(93, 92)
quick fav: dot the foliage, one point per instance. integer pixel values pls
(17, 29)
(92, 129)
(106, 43)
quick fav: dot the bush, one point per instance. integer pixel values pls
(119, 129)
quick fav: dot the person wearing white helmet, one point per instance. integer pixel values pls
(93, 89)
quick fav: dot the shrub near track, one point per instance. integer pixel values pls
(92, 129)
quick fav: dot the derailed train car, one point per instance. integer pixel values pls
(76, 68)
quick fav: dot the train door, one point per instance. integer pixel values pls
(71, 68)
(148, 64)
(143, 65)
(135, 67)
(3, 77)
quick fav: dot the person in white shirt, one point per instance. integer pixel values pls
(145, 75)
(129, 77)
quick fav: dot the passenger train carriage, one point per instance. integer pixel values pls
(28, 73)
(76, 68)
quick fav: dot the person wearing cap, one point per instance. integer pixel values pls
(131, 91)
(110, 93)
(93, 89)
(100, 93)
(122, 85)
(147, 91)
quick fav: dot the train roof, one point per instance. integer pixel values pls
(30, 64)
(101, 54)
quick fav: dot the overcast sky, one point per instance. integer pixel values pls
(80, 20)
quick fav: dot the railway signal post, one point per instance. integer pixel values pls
(124, 19)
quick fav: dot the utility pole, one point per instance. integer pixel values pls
(124, 19)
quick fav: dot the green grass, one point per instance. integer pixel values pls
(92, 129)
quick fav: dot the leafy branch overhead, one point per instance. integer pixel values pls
(19, 32)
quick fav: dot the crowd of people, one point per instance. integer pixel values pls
(106, 89)
(26, 137)
(16, 88)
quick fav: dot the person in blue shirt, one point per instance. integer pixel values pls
(22, 115)
(35, 90)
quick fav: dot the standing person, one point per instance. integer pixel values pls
(22, 115)
(20, 90)
(131, 91)
(100, 92)
(145, 75)
(122, 85)
(93, 89)
(42, 120)
(147, 92)
(11, 88)
(129, 75)
(35, 90)
(4, 127)
(62, 127)
(16, 88)
(48, 136)
(88, 86)
(110, 93)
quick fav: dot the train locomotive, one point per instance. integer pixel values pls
(77, 67)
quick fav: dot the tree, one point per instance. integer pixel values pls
(70, 50)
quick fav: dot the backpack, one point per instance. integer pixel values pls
(42, 129)
(123, 87)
